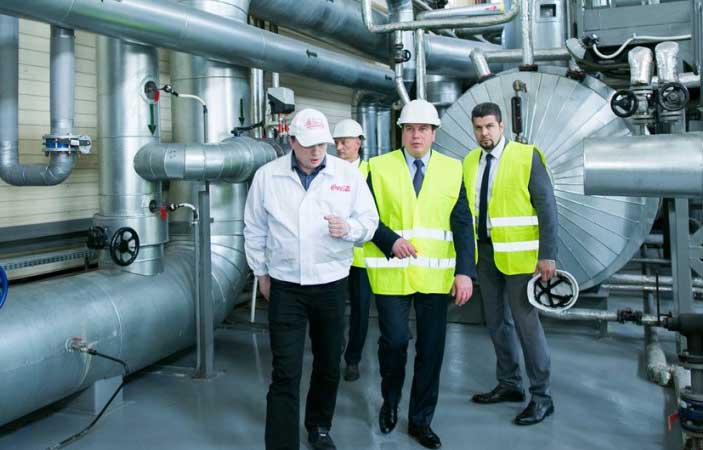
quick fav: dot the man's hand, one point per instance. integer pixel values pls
(338, 226)
(403, 249)
(546, 268)
(462, 289)
(265, 286)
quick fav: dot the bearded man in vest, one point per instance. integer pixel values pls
(512, 198)
(422, 251)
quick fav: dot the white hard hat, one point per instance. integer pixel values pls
(310, 127)
(348, 128)
(558, 294)
(419, 111)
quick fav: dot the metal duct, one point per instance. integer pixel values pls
(640, 60)
(528, 57)
(62, 93)
(482, 69)
(384, 128)
(667, 54)
(188, 30)
(124, 117)
(452, 57)
(135, 318)
(365, 113)
(443, 92)
(541, 55)
(490, 9)
(663, 165)
(597, 236)
(339, 20)
(234, 160)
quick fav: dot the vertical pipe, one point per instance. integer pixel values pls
(9, 94)
(528, 58)
(125, 114)
(257, 97)
(62, 83)
(384, 129)
(421, 65)
(204, 312)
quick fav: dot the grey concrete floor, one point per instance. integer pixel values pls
(602, 398)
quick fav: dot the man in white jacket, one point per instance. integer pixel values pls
(303, 215)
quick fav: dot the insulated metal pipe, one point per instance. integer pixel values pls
(667, 56)
(624, 278)
(185, 29)
(641, 63)
(515, 55)
(421, 65)
(431, 24)
(340, 20)
(489, 9)
(233, 160)
(594, 315)
(528, 57)
(482, 69)
(62, 61)
(668, 165)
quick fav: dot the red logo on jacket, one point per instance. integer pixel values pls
(345, 188)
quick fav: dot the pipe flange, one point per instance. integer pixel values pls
(66, 143)
(691, 361)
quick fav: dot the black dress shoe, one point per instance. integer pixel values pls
(425, 436)
(387, 418)
(500, 394)
(535, 413)
(320, 439)
(351, 373)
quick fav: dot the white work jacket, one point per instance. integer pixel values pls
(285, 233)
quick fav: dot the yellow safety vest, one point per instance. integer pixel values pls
(513, 219)
(423, 220)
(359, 251)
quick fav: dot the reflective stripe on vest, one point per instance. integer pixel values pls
(513, 220)
(421, 219)
(359, 250)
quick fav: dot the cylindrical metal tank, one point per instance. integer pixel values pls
(597, 235)
(548, 25)
(443, 91)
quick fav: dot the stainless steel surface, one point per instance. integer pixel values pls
(205, 330)
(664, 280)
(339, 20)
(185, 29)
(667, 55)
(547, 26)
(62, 79)
(597, 235)
(124, 116)
(591, 314)
(452, 57)
(688, 79)
(421, 65)
(402, 11)
(365, 107)
(490, 9)
(384, 128)
(233, 160)
(443, 92)
(430, 24)
(258, 101)
(634, 165)
(641, 64)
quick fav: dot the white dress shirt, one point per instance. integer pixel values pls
(497, 152)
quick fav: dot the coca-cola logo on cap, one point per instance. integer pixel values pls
(314, 123)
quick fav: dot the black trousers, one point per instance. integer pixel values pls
(291, 308)
(431, 330)
(360, 300)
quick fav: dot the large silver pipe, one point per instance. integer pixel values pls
(452, 57)
(594, 315)
(62, 84)
(489, 9)
(125, 115)
(431, 24)
(384, 128)
(234, 160)
(258, 101)
(482, 69)
(515, 55)
(340, 20)
(186, 29)
(668, 165)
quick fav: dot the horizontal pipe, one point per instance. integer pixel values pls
(649, 166)
(339, 20)
(594, 315)
(452, 57)
(234, 160)
(516, 55)
(688, 79)
(653, 261)
(461, 11)
(644, 288)
(431, 24)
(624, 278)
(181, 28)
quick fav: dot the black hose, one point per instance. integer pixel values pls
(86, 430)
(238, 130)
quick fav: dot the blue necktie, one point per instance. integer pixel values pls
(419, 176)
(483, 205)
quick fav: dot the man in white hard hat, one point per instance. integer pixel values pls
(512, 197)
(422, 251)
(348, 138)
(304, 212)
